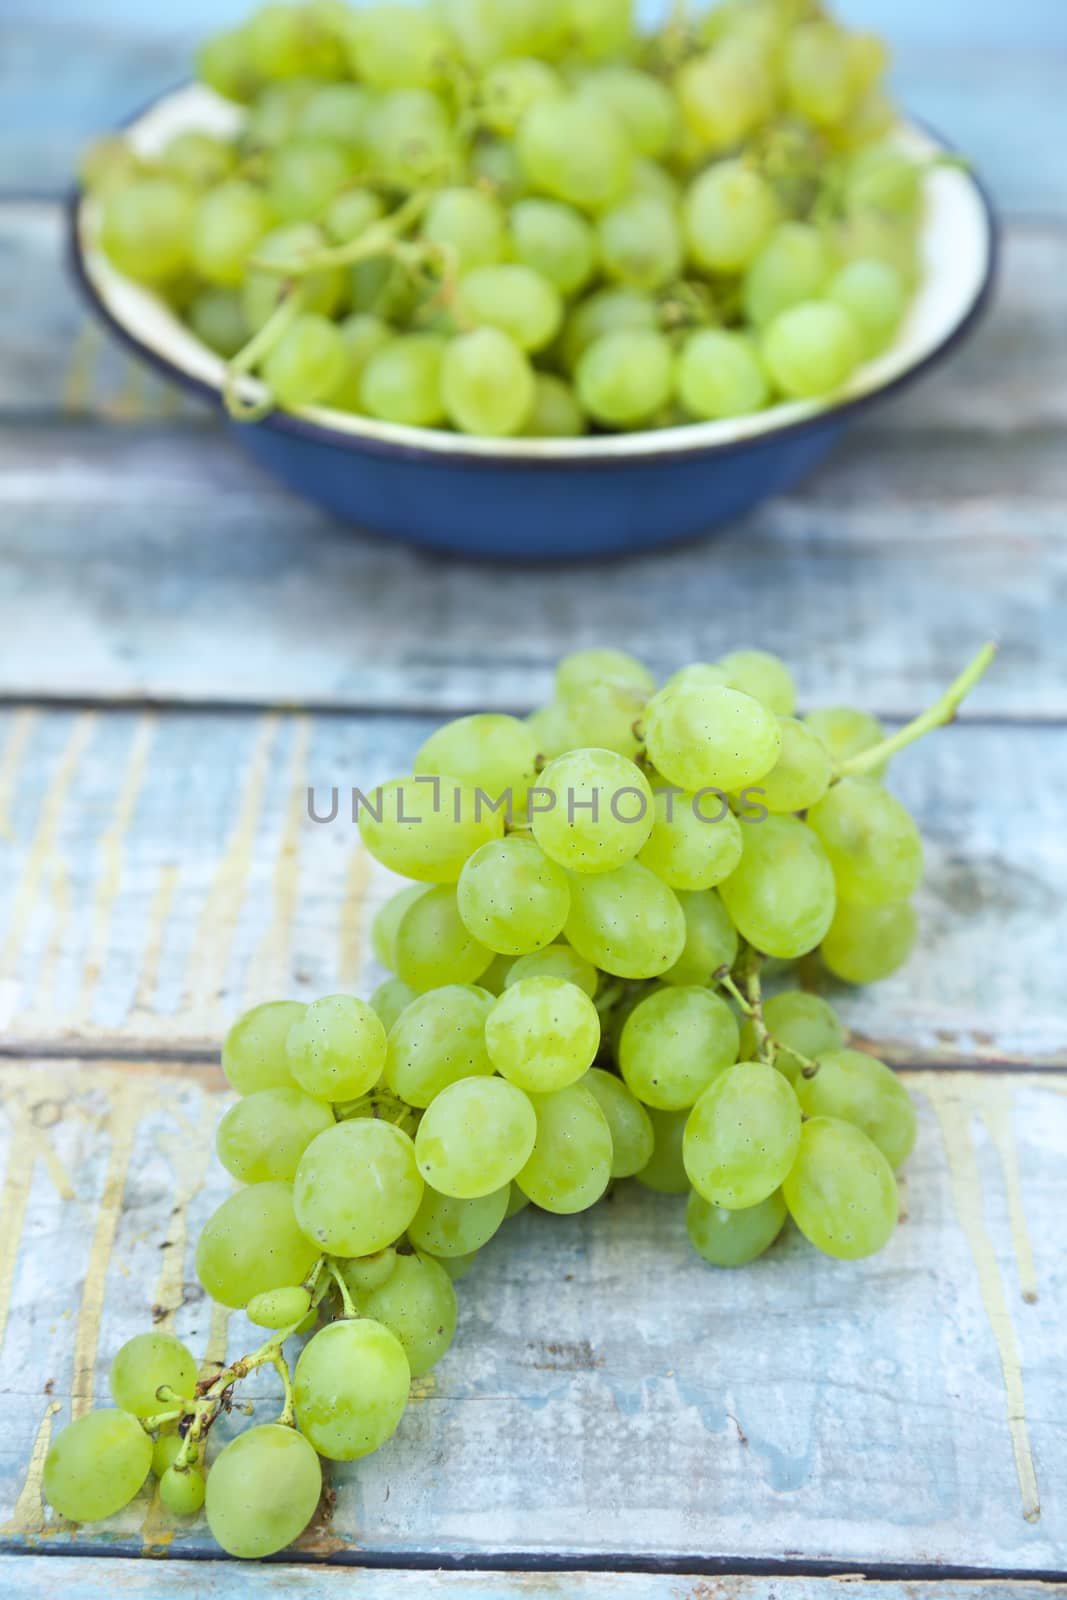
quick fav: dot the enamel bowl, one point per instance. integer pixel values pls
(555, 499)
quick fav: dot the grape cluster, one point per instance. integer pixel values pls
(576, 999)
(527, 217)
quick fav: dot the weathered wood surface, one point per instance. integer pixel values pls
(903, 1410)
(160, 873)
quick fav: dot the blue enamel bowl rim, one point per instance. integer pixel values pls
(837, 413)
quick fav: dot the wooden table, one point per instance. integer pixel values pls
(183, 649)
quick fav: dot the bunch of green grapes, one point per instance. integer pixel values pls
(530, 220)
(575, 999)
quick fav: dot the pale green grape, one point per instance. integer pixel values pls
(387, 920)
(793, 265)
(487, 383)
(495, 164)
(703, 737)
(874, 295)
(642, 103)
(729, 213)
(632, 1138)
(872, 842)
(700, 675)
(227, 225)
(275, 116)
(543, 1034)
(222, 63)
(694, 844)
(884, 178)
(351, 213)
(514, 299)
(665, 1173)
(357, 1187)
(624, 378)
(724, 95)
(397, 47)
(425, 828)
(626, 922)
(710, 939)
(781, 898)
(811, 349)
(307, 364)
(865, 944)
(606, 311)
(261, 290)
(517, 1202)
(555, 241)
(350, 1388)
(575, 150)
(555, 961)
(847, 732)
(597, 29)
(143, 1365)
(607, 716)
(145, 228)
(475, 1137)
(292, 41)
(742, 1136)
(734, 1238)
(254, 1054)
(511, 87)
(362, 336)
(338, 112)
(263, 1136)
(447, 1227)
(551, 729)
(364, 1274)
(763, 676)
(305, 176)
(720, 374)
(337, 1048)
(165, 1450)
(495, 975)
(436, 1041)
(801, 776)
(182, 1490)
(570, 1165)
(402, 381)
(96, 1465)
(491, 752)
(434, 946)
(555, 413)
(391, 999)
(512, 898)
(279, 1308)
(583, 670)
(675, 1044)
(593, 810)
(652, 178)
(417, 1303)
(818, 73)
(641, 242)
(468, 225)
(841, 1192)
(410, 139)
(801, 1021)
(216, 318)
(253, 1243)
(858, 1088)
(263, 1490)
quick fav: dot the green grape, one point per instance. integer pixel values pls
(554, 413)
(872, 842)
(811, 349)
(742, 1136)
(551, 729)
(703, 737)
(517, 1202)
(626, 922)
(351, 213)
(262, 1137)
(417, 1303)
(651, 178)
(584, 670)
(514, 299)
(383, 287)
(512, 898)
(604, 312)
(700, 675)
(410, 139)
(337, 1049)
(491, 752)
(145, 228)
(222, 63)
(675, 1044)
(391, 999)
(397, 47)
(434, 946)
(227, 225)
(596, 812)
(874, 295)
(263, 1490)
(734, 1238)
(847, 732)
(632, 1138)
(253, 1243)
(543, 1034)
(665, 1173)
(387, 920)
(641, 102)
(801, 776)
(841, 1192)
(289, 41)
(884, 179)
(494, 977)
(570, 1165)
(305, 176)
(307, 364)
(487, 384)
(350, 1388)
(795, 1021)
(145, 1364)
(107, 164)
(641, 242)
(182, 1490)
(261, 290)
(362, 336)
(216, 318)
(447, 1227)
(511, 87)
(275, 116)
(495, 164)
(279, 1308)
(695, 842)
(857, 1088)
(624, 378)
(475, 1137)
(555, 241)
(710, 939)
(357, 1187)
(96, 1465)
(597, 29)
(868, 60)
(865, 944)
(720, 375)
(575, 150)
(781, 898)
(818, 73)
(468, 225)
(338, 112)
(402, 381)
(729, 213)
(764, 677)
(425, 828)
(793, 266)
(555, 961)
(165, 1450)
(254, 1054)
(607, 716)
(724, 95)
(197, 158)
(364, 1274)
(439, 1039)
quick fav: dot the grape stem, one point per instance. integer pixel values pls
(255, 351)
(939, 715)
(347, 1302)
(376, 240)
